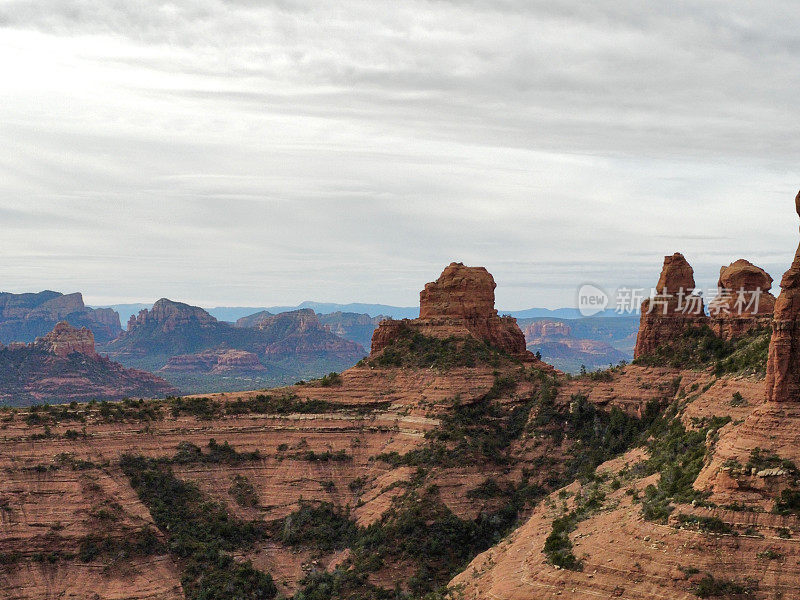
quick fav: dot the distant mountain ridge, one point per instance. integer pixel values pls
(232, 314)
(189, 346)
(24, 317)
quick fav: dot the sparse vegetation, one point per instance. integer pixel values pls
(678, 455)
(699, 347)
(710, 587)
(413, 349)
(217, 453)
(201, 533)
(331, 379)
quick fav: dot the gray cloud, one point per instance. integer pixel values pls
(271, 152)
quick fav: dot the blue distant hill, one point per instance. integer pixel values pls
(233, 313)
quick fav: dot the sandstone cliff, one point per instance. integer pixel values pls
(742, 305)
(744, 302)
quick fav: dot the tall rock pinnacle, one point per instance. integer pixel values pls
(783, 365)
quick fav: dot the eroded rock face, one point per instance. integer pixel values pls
(459, 304)
(783, 364)
(667, 315)
(66, 339)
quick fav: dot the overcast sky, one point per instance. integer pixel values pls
(268, 152)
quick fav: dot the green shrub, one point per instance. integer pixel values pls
(331, 379)
(709, 587)
(243, 491)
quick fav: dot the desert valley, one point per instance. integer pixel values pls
(450, 461)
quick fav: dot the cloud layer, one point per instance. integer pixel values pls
(270, 152)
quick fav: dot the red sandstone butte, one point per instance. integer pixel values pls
(667, 315)
(458, 304)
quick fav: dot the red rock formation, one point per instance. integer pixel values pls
(460, 292)
(744, 302)
(459, 304)
(66, 339)
(783, 365)
(168, 315)
(673, 309)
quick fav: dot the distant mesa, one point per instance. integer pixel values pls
(253, 320)
(558, 345)
(24, 317)
(460, 303)
(169, 315)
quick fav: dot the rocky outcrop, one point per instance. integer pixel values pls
(24, 317)
(215, 362)
(743, 303)
(673, 309)
(458, 304)
(66, 339)
(783, 364)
